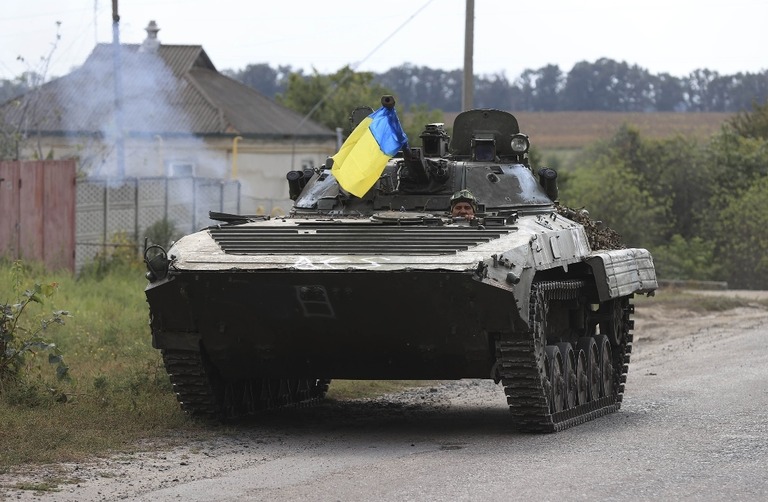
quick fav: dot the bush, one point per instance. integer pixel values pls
(687, 259)
(120, 254)
(21, 338)
(741, 240)
(162, 233)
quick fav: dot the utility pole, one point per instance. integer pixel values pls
(117, 70)
(468, 87)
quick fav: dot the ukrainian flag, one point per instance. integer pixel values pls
(362, 157)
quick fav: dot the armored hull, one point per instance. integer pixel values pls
(255, 313)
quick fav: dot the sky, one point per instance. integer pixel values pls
(662, 36)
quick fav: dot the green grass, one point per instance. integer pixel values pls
(119, 394)
(675, 298)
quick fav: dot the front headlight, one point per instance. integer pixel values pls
(520, 143)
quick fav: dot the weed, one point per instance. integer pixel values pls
(162, 233)
(698, 302)
(42, 486)
(120, 255)
(21, 340)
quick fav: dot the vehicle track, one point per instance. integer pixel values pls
(522, 367)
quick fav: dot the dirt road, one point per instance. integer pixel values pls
(693, 426)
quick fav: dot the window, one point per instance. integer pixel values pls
(181, 169)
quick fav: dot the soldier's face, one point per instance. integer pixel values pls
(463, 209)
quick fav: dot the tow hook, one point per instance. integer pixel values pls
(157, 262)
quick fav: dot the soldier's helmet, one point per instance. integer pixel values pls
(464, 196)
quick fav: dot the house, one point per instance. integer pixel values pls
(169, 113)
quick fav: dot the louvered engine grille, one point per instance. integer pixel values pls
(351, 239)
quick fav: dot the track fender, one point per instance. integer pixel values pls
(622, 272)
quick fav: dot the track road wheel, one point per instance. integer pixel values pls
(613, 324)
(582, 382)
(554, 364)
(570, 385)
(319, 387)
(592, 366)
(606, 365)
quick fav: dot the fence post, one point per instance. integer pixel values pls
(136, 210)
(194, 204)
(105, 227)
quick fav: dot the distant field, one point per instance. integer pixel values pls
(574, 130)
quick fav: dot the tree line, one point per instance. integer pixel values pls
(602, 85)
(699, 208)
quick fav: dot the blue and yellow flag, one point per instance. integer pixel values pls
(362, 157)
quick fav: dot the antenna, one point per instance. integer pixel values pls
(95, 22)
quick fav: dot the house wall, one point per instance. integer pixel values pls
(261, 168)
(261, 164)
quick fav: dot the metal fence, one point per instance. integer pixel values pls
(106, 208)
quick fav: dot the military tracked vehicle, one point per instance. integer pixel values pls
(260, 312)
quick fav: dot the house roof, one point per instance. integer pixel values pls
(167, 90)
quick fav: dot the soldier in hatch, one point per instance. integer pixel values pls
(463, 204)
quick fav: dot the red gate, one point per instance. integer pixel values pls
(37, 212)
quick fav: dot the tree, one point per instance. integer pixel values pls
(541, 88)
(420, 85)
(579, 90)
(737, 162)
(741, 239)
(331, 98)
(739, 158)
(667, 93)
(492, 91)
(416, 118)
(687, 259)
(700, 209)
(608, 85)
(614, 194)
(752, 124)
(14, 132)
(604, 84)
(13, 88)
(668, 180)
(677, 170)
(699, 86)
(748, 89)
(264, 78)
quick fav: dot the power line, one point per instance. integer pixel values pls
(355, 65)
(348, 75)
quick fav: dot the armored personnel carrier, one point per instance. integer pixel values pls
(260, 312)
